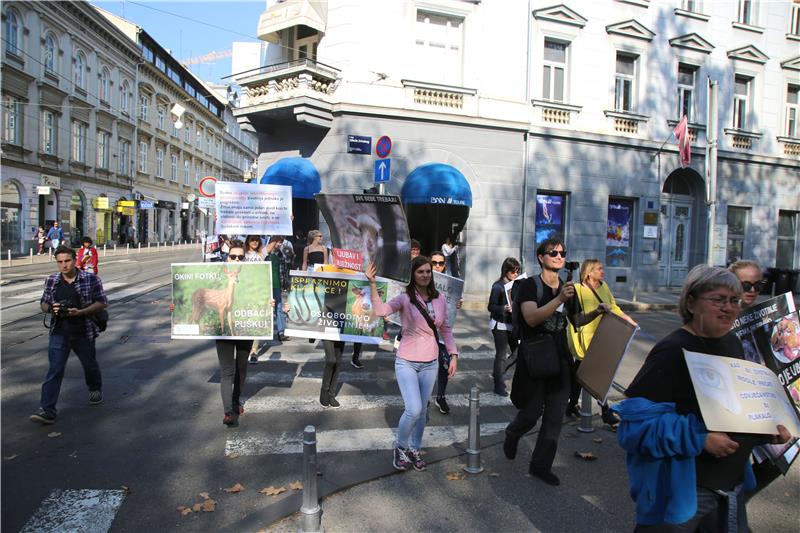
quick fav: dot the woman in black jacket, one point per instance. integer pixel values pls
(500, 322)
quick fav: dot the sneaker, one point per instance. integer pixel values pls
(416, 460)
(441, 403)
(332, 402)
(283, 338)
(95, 397)
(253, 360)
(510, 447)
(357, 364)
(609, 417)
(545, 475)
(324, 401)
(401, 461)
(230, 420)
(500, 390)
(43, 417)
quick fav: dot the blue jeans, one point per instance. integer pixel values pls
(279, 326)
(58, 353)
(416, 384)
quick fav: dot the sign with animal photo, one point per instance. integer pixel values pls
(222, 300)
(372, 225)
(451, 287)
(334, 306)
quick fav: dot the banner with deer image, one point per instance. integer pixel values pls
(222, 300)
(334, 306)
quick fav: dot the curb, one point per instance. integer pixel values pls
(641, 306)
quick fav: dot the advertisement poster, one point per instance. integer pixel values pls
(253, 209)
(222, 300)
(374, 226)
(739, 396)
(618, 233)
(334, 306)
(549, 217)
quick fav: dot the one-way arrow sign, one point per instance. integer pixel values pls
(382, 170)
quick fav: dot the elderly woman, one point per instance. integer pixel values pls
(680, 473)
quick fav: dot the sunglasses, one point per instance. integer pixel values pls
(556, 253)
(757, 286)
(437, 263)
(235, 257)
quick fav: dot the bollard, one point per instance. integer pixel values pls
(31, 255)
(104, 250)
(585, 425)
(9, 256)
(473, 465)
(148, 246)
(310, 511)
(127, 249)
(158, 245)
(115, 249)
(140, 248)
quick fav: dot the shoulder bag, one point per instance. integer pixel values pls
(444, 355)
(540, 353)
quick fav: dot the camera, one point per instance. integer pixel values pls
(571, 267)
(63, 309)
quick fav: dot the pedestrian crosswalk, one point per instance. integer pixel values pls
(84, 510)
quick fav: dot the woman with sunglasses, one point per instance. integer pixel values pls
(679, 471)
(751, 277)
(500, 322)
(418, 356)
(438, 264)
(542, 307)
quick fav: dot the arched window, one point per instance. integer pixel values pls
(12, 32)
(124, 96)
(102, 91)
(80, 70)
(50, 50)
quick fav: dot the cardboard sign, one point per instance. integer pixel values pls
(253, 209)
(739, 396)
(604, 355)
(508, 286)
(334, 306)
(349, 259)
(222, 300)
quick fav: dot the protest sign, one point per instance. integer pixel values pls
(211, 248)
(451, 287)
(604, 355)
(508, 286)
(222, 300)
(349, 259)
(739, 396)
(374, 226)
(334, 306)
(253, 209)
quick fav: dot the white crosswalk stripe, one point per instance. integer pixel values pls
(347, 440)
(131, 291)
(35, 295)
(269, 378)
(277, 354)
(84, 510)
(310, 404)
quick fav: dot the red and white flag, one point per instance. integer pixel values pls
(681, 132)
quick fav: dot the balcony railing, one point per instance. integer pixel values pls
(301, 77)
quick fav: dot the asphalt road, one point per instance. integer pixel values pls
(157, 442)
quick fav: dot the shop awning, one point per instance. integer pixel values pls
(297, 172)
(437, 184)
(288, 14)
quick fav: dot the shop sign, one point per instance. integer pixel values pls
(146, 204)
(126, 203)
(42, 190)
(166, 205)
(127, 211)
(51, 181)
(101, 202)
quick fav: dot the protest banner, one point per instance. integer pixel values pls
(739, 396)
(770, 334)
(334, 306)
(508, 286)
(211, 248)
(349, 259)
(222, 300)
(451, 287)
(604, 355)
(253, 209)
(374, 226)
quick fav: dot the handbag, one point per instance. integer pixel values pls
(444, 355)
(540, 356)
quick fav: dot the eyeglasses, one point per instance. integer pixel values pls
(720, 301)
(757, 286)
(556, 253)
(437, 263)
(235, 257)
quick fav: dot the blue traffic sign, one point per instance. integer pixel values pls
(383, 147)
(359, 144)
(383, 169)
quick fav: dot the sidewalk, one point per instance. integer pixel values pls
(10, 260)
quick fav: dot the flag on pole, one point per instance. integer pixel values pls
(681, 132)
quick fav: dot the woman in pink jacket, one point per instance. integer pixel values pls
(417, 359)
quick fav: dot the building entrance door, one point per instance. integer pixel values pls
(674, 235)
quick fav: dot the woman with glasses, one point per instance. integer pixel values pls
(315, 252)
(542, 306)
(751, 277)
(500, 322)
(438, 264)
(677, 468)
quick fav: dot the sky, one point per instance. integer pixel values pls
(193, 28)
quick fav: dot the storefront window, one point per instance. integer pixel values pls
(10, 216)
(619, 231)
(549, 216)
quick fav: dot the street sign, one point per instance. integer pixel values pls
(383, 147)
(146, 204)
(358, 144)
(383, 169)
(205, 203)
(191, 197)
(206, 186)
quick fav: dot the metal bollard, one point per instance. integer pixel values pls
(585, 425)
(104, 250)
(127, 249)
(473, 465)
(31, 255)
(311, 510)
(140, 247)
(115, 249)
(9, 256)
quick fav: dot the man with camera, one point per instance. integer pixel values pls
(71, 297)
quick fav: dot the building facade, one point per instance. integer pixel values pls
(68, 123)
(558, 119)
